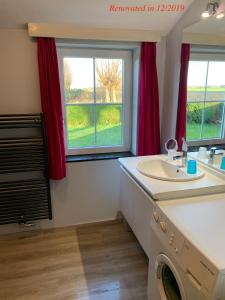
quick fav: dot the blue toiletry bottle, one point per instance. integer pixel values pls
(192, 166)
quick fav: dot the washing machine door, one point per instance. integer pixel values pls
(169, 282)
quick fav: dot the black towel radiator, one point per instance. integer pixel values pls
(24, 181)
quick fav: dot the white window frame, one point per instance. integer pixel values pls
(209, 54)
(126, 55)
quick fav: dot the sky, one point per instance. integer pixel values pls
(83, 77)
(82, 72)
(198, 70)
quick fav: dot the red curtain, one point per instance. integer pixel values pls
(148, 110)
(52, 106)
(182, 98)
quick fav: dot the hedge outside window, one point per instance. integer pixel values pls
(206, 98)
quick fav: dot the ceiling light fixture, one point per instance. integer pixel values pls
(205, 14)
(220, 16)
(212, 10)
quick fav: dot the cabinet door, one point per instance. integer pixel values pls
(137, 208)
(126, 197)
(143, 207)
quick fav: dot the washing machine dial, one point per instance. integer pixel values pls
(163, 226)
(156, 216)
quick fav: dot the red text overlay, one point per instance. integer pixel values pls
(148, 8)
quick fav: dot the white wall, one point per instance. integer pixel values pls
(172, 69)
(89, 193)
(18, 73)
(91, 190)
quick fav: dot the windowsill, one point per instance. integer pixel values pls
(94, 157)
(195, 147)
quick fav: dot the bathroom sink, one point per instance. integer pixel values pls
(163, 170)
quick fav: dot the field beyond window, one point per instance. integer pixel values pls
(94, 101)
(206, 97)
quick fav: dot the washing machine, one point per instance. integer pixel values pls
(178, 270)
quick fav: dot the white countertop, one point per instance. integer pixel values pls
(161, 190)
(202, 221)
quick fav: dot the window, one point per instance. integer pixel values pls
(206, 98)
(96, 87)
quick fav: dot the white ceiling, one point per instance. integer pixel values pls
(210, 25)
(95, 13)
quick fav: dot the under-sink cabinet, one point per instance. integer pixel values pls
(136, 207)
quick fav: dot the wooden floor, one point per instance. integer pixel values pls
(102, 262)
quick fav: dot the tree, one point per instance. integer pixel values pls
(109, 76)
(67, 78)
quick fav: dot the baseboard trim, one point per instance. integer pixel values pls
(119, 219)
(100, 223)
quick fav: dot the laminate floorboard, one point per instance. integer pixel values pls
(99, 262)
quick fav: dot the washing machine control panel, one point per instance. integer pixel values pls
(198, 268)
(166, 232)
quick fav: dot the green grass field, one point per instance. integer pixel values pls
(81, 130)
(209, 131)
(81, 125)
(105, 136)
(111, 135)
(209, 89)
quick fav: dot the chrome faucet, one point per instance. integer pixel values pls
(184, 152)
(184, 159)
(212, 154)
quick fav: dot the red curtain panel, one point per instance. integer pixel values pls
(182, 97)
(148, 139)
(52, 106)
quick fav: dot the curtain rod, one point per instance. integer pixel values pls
(70, 31)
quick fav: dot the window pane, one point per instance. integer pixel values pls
(194, 120)
(80, 126)
(197, 73)
(216, 81)
(78, 80)
(213, 117)
(108, 74)
(108, 125)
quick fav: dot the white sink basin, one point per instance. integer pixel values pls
(163, 170)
